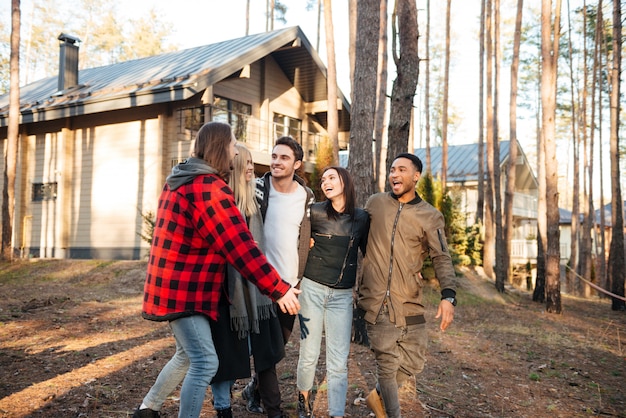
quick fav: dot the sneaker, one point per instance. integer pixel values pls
(146, 413)
(375, 403)
(305, 409)
(251, 395)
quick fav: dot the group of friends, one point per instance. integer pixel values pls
(235, 259)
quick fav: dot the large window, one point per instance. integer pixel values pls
(190, 120)
(287, 126)
(234, 113)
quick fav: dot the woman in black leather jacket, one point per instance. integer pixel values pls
(338, 230)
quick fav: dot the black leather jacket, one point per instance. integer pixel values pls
(333, 259)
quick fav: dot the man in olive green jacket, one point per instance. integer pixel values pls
(404, 230)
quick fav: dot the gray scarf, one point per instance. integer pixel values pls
(248, 305)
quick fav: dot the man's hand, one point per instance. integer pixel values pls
(288, 303)
(446, 313)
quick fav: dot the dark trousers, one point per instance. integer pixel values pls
(267, 379)
(286, 323)
(270, 393)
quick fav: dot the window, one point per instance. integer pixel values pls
(285, 125)
(234, 113)
(44, 191)
(190, 120)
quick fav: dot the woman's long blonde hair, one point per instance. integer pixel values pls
(242, 189)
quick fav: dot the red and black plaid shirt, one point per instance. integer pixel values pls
(198, 231)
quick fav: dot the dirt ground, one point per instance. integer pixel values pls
(73, 344)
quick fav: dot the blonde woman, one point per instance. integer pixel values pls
(244, 313)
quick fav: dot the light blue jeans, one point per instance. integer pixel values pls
(194, 363)
(221, 394)
(324, 309)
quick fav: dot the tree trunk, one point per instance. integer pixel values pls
(598, 70)
(331, 82)
(364, 102)
(247, 17)
(381, 98)
(352, 12)
(549, 54)
(616, 253)
(8, 195)
(480, 204)
(512, 164)
(501, 274)
(571, 280)
(444, 110)
(405, 84)
(585, 263)
(319, 24)
(489, 245)
(539, 294)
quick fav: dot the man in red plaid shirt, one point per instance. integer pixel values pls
(198, 231)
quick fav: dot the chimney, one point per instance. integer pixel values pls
(68, 62)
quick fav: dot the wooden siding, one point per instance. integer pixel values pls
(113, 171)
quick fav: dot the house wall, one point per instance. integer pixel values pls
(105, 177)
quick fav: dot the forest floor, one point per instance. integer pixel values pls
(73, 344)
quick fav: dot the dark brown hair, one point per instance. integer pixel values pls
(298, 153)
(349, 193)
(212, 145)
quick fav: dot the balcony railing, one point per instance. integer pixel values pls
(260, 135)
(523, 250)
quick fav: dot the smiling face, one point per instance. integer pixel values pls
(283, 164)
(403, 178)
(249, 173)
(332, 185)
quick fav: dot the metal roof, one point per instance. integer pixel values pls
(463, 161)
(177, 76)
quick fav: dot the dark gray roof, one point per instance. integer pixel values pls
(608, 212)
(462, 160)
(176, 76)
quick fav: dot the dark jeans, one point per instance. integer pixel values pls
(268, 379)
(400, 354)
(269, 391)
(286, 322)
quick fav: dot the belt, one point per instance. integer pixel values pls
(410, 320)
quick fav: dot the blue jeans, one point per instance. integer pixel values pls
(221, 394)
(324, 309)
(194, 363)
(400, 353)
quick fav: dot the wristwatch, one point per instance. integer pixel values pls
(451, 300)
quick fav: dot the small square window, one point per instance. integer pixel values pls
(44, 191)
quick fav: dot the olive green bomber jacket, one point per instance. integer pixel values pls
(401, 236)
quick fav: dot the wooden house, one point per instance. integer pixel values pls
(96, 145)
(462, 179)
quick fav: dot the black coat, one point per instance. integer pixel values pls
(268, 347)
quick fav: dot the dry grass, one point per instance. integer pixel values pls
(73, 344)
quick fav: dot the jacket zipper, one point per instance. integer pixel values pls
(393, 237)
